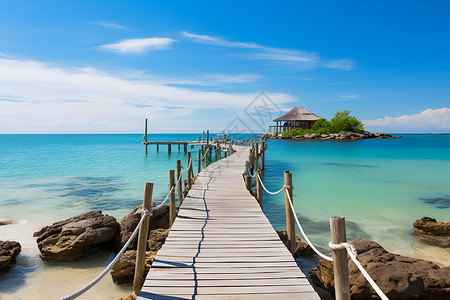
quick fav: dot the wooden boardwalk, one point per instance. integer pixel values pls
(221, 245)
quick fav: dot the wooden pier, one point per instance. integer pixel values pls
(221, 245)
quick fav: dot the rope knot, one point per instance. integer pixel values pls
(347, 246)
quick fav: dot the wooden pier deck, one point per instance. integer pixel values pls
(221, 245)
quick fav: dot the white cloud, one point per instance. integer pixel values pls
(350, 97)
(430, 119)
(139, 45)
(213, 40)
(344, 64)
(287, 55)
(110, 25)
(37, 97)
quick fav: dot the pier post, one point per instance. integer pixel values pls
(230, 149)
(263, 158)
(157, 147)
(199, 163)
(248, 181)
(256, 157)
(290, 222)
(206, 154)
(189, 163)
(185, 148)
(259, 189)
(203, 136)
(169, 148)
(146, 145)
(173, 208)
(180, 183)
(340, 260)
(142, 241)
(207, 138)
(178, 145)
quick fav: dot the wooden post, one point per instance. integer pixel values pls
(178, 145)
(219, 151)
(146, 145)
(290, 222)
(189, 163)
(169, 148)
(248, 182)
(173, 208)
(263, 158)
(185, 148)
(157, 147)
(207, 138)
(199, 163)
(259, 189)
(230, 149)
(340, 260)
(142, 241)
(203, 136)
(180, 183)
(256, 157)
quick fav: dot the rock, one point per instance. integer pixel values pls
(399, 277)
(9, 250)
(156, 239)
(76, 237)
(123, 270)
(159, 219)
(7, 222)
(431, 231)
(302, 249)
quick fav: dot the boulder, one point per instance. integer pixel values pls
(156, 238)
(123, 270)
(431, 231)
(9, 250)
(76, 237)
(302, 249)
(7, 222)
(159, 219)
(399, 277)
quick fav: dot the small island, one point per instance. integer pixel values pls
(301, 124)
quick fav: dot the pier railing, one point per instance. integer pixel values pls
(338, 244)
(144, 223)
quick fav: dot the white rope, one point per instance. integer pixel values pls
(206, 152)
(248, 171)
(353, 255)
(111, 264)
(272, 193)
(303, 233)
(168, 194)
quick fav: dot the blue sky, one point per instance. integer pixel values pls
(105, 66)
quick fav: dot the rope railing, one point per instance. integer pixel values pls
(350, 249)
(170, 191)
(111, 264)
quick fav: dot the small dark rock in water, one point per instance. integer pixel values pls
(123, 270)
(159, 219)
(302, 249)
(7, 222)
(431, 231)
(399, 277)
(9, 250)
(441, 202)
(76, 237)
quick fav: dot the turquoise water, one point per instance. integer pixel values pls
(381, 186)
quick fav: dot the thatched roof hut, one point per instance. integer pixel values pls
(298, 117)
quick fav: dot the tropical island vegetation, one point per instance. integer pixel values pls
(341, 122)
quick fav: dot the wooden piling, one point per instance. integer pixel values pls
(256, 157)
(259, 189)
(146, 146)
(263, 159)
(248, 182)
(157, 147)
(207, 138)
(203, 136)
(173, 208)
(290, 222)
(179, 145)
(169, 148)
(199, 163)
(180, 183)
(189, 163)
(142, 241)
(340, 260)
(185, 148)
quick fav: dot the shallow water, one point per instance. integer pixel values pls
(380, 186)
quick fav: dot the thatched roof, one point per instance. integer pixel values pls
(298, 113)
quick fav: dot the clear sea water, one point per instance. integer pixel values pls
(381, 186)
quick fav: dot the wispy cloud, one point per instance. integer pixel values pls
(261, 52)
(213, 40)
(42, 97)
(430, 119)
(344, 64)
(110, 25)
(138, 46)
(350, 97)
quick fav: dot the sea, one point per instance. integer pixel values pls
(381, 186)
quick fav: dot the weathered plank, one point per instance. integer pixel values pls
(221, 245)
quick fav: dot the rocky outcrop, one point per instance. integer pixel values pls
(7, 222)
(123, 270)
(431, 231)
(76, 237)
(156, 239)
(302, 249)
(399, 277)
(159, 220)
(332, 136)
(9, 250)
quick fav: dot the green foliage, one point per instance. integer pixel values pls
(342, 121)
